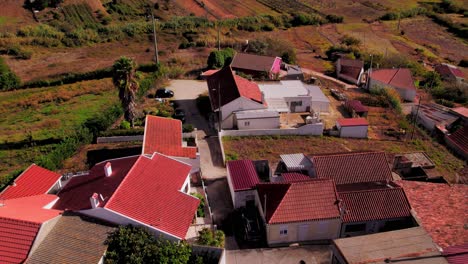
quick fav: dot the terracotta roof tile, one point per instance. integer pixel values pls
(375, 204)
(400, 78)
(348, 168)
(20, 221)
(357, 106)
(441, 209)
(232, 87)
(151, 193)
(252, 62)
(456, 254)
(164, 135)
(460, 139)
(295, 177)
(347, 122)
(75, 195)
(242, 174)
(299, 201)
(142, 188)
(34, 180)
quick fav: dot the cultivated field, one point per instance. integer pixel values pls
(270, 148)
(32, 121)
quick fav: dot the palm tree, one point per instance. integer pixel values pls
(124, 79)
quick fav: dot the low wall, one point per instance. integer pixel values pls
(215, 255)
(100, 140)
(309, 129)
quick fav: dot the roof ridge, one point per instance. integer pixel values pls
(396, 72)
(372, 190)
(347, 153)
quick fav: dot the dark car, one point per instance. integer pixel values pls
(179, 114)
(164, 93)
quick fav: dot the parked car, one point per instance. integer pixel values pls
(179, 114)
(164, 93)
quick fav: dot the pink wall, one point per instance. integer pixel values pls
(276, 65)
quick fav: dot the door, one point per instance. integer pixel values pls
(303, 233)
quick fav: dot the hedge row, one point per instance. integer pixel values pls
(84, 134)
(122, 132)
(85, 76)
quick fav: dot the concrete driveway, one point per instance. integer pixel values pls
(312, 254)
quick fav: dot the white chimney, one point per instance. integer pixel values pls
(108, 169)
(94, 199)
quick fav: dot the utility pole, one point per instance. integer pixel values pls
(219, 41)
(417, 110)
(219, 107)
(155, 41)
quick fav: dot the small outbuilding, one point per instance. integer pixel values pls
(242, 179)
(352, 127)
(350, 70)
(399, 79)
(356, 109)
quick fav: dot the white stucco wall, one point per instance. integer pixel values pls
(239, 104)
(258, 123)
(305, 103)
(353, 132)
(406, 94)
(303, 231)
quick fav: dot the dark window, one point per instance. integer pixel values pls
(355, 228)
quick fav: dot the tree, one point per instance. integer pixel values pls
(134, 245)
(124, 79)
(8, 80)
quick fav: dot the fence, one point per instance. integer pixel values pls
(117, 139)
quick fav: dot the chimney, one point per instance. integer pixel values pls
(94, 199)
(108, 169)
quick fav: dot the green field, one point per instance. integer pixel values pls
(33, 120)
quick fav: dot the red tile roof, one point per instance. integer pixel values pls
(463, 111)
(75, 195)
(141, 188)
(294, 177)
(400, 78)
(232, 87)
(353, 167)
(151, 193)
(299, 201)
(242, 174)
(460, 139)
(164, 135)
(456, 254)
(351, 68)
(375, 204)
(33, 181)
(209, 72)
(441, 209)
(347, 122)
(357, 106)
(446, 70)
(252, 62)
(20, 221)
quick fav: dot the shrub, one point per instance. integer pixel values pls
(9, 178)
(445, 102)
(187, 128)
(8, 79)
(219, 58)
(463, 63)
(125, 125)
(350, 41)
(334, 18)
(390, 95)
(201, 206)
(122, 132)
(209, 238)
(204, 105)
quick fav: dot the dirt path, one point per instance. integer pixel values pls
(321, 75)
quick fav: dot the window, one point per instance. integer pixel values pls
(296, 103)
(283, 231)
(247, 123)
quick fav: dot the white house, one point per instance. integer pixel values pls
(152, 192)
(294, 96)
(399, 79)
(352, 127)
(236, 95)
(299, 212)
